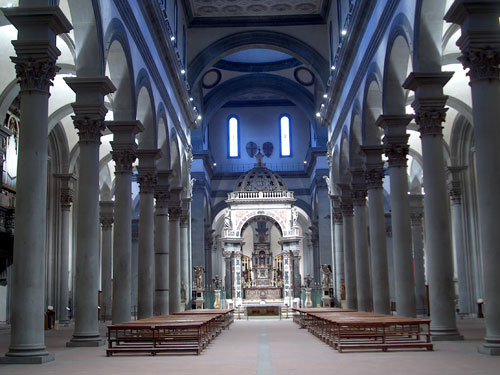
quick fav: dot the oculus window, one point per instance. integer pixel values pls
(233, 132)
(285, 136)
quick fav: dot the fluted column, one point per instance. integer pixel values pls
(89, 120)
(346, 207)
(35, 70)
(363, 282)
(480, 46)
(107, 218)
(429, 115)
(417, 234)
(124, 153)
(162, 196)
(184, 232)
(396, 149)
(455, 189)
(339, 247)
(174, 215)
(374, 174)
(147, 180)
(67, 181)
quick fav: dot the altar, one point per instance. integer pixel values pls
(263, 293)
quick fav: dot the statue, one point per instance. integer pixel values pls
(326, 273)
(217, 282)
(295, 217)
(308, 280)
(328, 185)
(191, 183)
(198, 276)
(227, 220)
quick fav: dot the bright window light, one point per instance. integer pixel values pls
(233, 138)
(285, 135)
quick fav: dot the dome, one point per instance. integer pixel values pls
(259, 178)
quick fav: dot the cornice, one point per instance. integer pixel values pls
(170, 66)
(362, 12)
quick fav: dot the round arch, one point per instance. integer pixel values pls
(145, 104)
(258, 39)
(119, 68)
(397, 61)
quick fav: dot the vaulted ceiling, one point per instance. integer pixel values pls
(258, 12)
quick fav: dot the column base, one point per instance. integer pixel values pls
(26, 360)
(491, 346)
(85, 342)
(446, 335)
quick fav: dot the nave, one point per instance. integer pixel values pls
(266, 347)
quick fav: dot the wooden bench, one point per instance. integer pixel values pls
(364, 330)
(168, 334)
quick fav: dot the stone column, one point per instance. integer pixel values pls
(349, 253)
(107, 218)
(174, 214)
(315, 252)
(296, 273)
(417, 234)
(134, 264)
(363, 283)
(429, 115)
(184, 232)
(374, 174)
(339, 248)
(455, 189)
(228, 278)
(162, 195)
(89, 120)
(390, 256)
(67, 181)
(396, 149)
(35, 70)
(324, 223)
(480, 46)
(124, 153)
(209, 232)
(147, 180)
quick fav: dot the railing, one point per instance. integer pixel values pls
(255, 195)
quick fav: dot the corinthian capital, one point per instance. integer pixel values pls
(147, 179)
(482, 63)
(35, 73)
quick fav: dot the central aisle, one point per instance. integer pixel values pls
(266, 347)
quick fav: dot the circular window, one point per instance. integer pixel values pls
(211, 78)
(304, 76)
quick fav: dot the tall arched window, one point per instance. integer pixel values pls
(233, 125)
(285, 143)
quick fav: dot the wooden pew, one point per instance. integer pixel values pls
(364, 330)
(170, 334)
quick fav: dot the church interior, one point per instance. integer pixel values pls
(160, 157)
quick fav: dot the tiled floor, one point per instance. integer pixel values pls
(266, 347)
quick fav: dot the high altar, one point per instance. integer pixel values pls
(270, 273)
